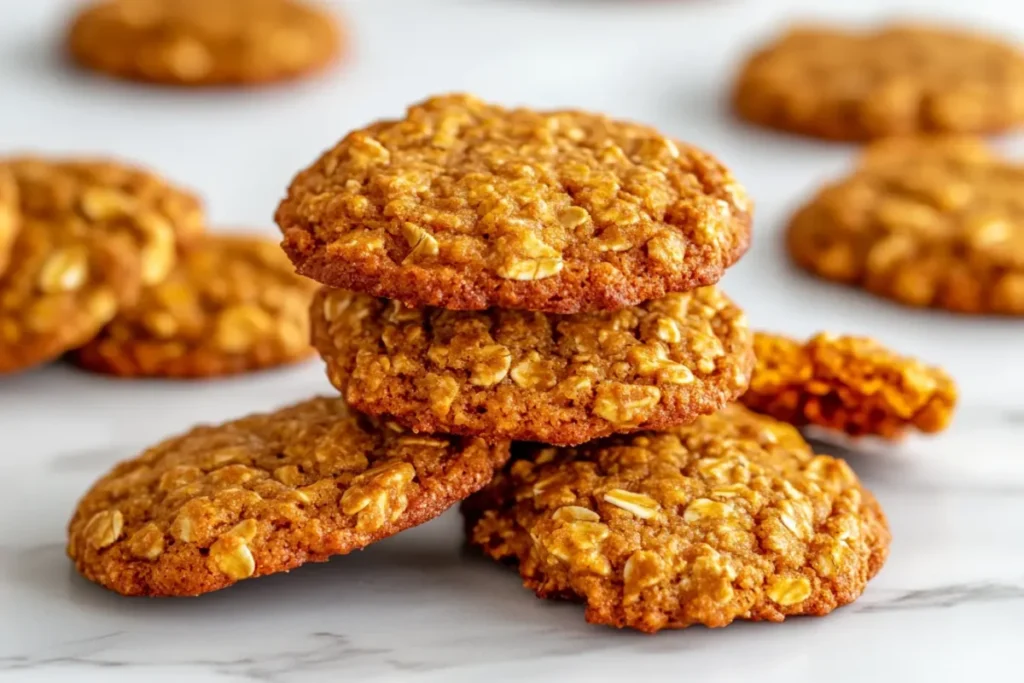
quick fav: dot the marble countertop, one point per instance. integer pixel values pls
(948, 606)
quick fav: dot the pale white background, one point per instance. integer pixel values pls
(949, 602)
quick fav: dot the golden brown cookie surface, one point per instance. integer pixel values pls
(204, 42)
(932, 222)
(521, 375)
(265, 494)
(10, 215)
(732, 517)
(467, 205)
(896, 80)
(233, 303)
(92, 234)
(850, 384)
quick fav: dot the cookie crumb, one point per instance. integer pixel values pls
(849, 384)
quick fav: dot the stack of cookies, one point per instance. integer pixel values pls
(520, 313)
(548, 278)
(526, 276)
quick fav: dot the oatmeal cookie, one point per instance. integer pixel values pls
(266, 494)
(10, 216)
(467, 205)
(522, 375)
(849, 384)
(932, 222)
(232, 304)
(895, 80)
(92, 234)
(732, 517)
(204, 42)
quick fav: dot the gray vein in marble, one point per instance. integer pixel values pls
(328, 648)
(944, 597)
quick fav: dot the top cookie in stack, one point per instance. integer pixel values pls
(549, 272)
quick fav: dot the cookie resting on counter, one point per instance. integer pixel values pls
(731, 517)
(265, 494)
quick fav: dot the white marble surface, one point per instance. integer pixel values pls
(947, 607)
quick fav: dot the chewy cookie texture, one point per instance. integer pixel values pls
(90, 235)
(233, 303)
(522, 375)
(265, 494)
(901, 79)
(848, 384)
(731, 517)
(468, 205)
(927, 222)
(203, 42)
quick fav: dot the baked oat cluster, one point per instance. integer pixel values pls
(931, 222)
(901, 79)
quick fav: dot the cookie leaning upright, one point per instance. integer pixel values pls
(92, 234)
(233, 303)
(930, 222)
(467, 205)
(531, 376)
(731, 517)
(204, 42)
(899, 79)
(264, 494)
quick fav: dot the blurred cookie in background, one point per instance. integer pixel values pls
(233, 304)
(204, 42)
(92, 234)
(931, 222)
(899, 79)
(9, 221)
